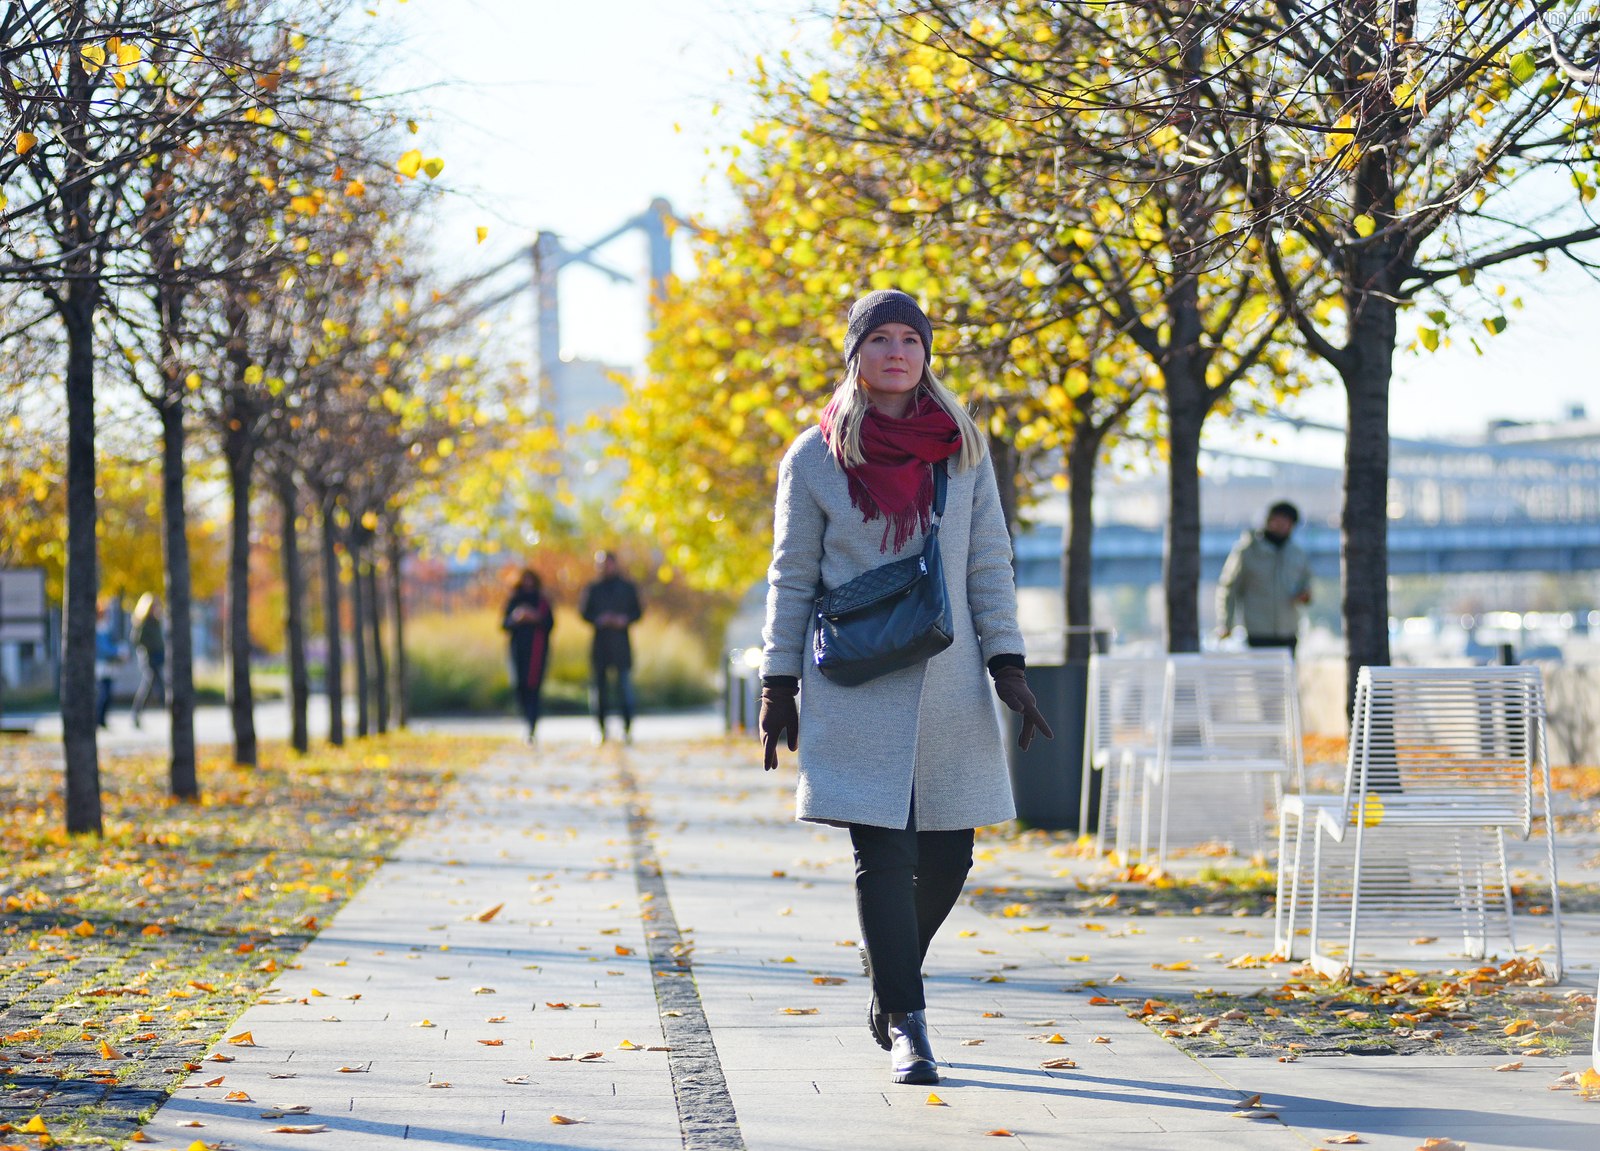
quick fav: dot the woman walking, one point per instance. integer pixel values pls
(910, 762)
(528, 619)
(151, 646)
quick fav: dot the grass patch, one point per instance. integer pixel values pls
(122, 959)
(1508, 1010)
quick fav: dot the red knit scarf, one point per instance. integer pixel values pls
(895, 481)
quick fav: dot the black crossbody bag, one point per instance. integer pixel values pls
(890, 617)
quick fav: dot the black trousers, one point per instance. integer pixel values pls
(529, 698)
(906, 883)
(1288, 641)
(600, 675)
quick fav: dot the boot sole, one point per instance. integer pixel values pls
(921, 1074)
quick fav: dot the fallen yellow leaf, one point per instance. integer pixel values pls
(488, 913)
(243, 1039)
(563, 1120)
(1058, 1064)
(109, 1052)
(935, 1101)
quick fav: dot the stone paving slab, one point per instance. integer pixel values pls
(762, 908)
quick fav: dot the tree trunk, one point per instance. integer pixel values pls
(397, 624)
(1006, 463)
(294, 596)
(332, 630)
(239, 448)
(1364, 550)
(358, 634)
(183, 778)
(1183, 372)
(1186, 413)
(78, 686)
(79, 299)
(380, 665)
(1078, 547)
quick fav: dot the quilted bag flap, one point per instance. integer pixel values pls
(870, 587)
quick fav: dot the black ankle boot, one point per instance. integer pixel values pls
(911, 1055)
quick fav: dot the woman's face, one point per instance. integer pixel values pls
(892, 359)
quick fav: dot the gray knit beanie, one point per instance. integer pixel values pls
(885, 306)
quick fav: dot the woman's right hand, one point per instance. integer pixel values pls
(779, 714)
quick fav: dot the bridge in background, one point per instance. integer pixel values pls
(1124, 554)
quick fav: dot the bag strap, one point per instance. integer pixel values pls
(941, 473)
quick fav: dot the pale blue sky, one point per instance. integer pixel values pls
(572, 116)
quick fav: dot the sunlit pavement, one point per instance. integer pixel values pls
(531, 954)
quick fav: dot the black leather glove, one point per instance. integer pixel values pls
(778, 715)
(1011, 685)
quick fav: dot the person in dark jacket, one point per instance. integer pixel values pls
(528, 619)
(151, 646)
(611, 604)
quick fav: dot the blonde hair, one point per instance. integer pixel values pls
(850, 404)
(141, 610)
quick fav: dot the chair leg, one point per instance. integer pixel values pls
(1283, 911)
(1355, 903)
(1505, 887)
(1469, 895)
(1314, 944)
(1105, 796)
(1166, 795)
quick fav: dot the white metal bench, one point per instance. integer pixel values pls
(1443, 762)
(1230, 733)
(1121, 727)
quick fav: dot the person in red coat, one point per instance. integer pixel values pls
(528, 619)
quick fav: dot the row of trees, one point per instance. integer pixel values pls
(1127, 219)
(208, 228)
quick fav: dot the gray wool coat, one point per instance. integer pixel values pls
(925, 734)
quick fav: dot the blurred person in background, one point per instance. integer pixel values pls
(150, 645)
(528, 620)
(108, 657)
(1265, 583)
(611, 605)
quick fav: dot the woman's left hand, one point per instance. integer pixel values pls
(1011, 685)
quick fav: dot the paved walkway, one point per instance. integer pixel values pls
(641, 940)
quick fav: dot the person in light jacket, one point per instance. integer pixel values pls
(1265, 582)
(911, 762)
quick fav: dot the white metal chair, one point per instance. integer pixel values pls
(1443, 762)
(1121, 726)
(1228, 722)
